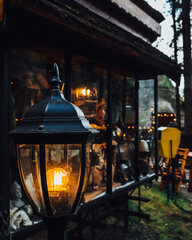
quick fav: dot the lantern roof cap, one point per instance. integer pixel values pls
(54, 115)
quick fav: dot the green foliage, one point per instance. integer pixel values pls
(166, 219)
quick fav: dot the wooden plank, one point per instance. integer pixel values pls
(138, 13)
(129, 8)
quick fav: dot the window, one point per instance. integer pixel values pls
(30, 68)
(89, 92)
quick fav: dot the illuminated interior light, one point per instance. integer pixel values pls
(88, 92)
(57, 179)
(84, 91)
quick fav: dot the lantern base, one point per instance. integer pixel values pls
(62, 235)
(56, 228)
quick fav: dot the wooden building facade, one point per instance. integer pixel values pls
(103, 50)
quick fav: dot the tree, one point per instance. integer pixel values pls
(175, 5)
(180, 11)
(186, 32)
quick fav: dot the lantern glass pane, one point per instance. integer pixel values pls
(87, 167)
(63, 170)
(30, 173)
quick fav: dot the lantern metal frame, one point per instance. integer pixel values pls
(54, 121)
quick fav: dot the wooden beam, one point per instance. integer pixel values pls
(138, 13)
(131, 9)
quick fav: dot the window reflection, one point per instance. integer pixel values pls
(89, 93)
(30, 69)
(123, 119)
(146, 127)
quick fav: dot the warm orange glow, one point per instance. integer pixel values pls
(84, 92)
(118, 133)
(57, 179)
(62, 88)
(88, 92)
(1, 10)
(175, 120)
(17, 120)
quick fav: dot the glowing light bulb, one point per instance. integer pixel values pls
(84, 91)
(57, 179)
(88, 92)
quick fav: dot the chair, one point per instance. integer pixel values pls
(180, 163)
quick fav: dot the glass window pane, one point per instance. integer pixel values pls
(146, 127)
(30, 77)
(123, 119)
(89, 92)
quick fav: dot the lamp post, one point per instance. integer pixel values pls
(52, 144)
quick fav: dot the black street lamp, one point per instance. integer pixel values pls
(53, 146)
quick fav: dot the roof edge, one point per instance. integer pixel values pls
(149, 10)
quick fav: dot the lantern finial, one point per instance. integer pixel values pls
(55, 81)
